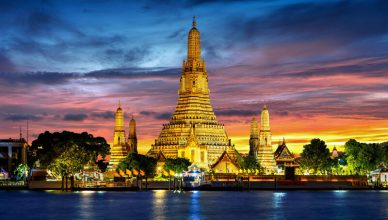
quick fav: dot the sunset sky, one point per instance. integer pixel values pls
(320, 66)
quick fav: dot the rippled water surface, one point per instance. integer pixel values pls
(194, 205)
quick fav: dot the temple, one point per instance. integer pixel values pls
(118, 149)
(254, 138)
(265, 154)
(193, 131)
(283, 156)
(120, 146)
(132, 138)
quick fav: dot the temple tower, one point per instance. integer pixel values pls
(265, 130)
(193, 124)
(132, 138)
(254, 138)
(119, 132)
(118, 150)
(265, 153)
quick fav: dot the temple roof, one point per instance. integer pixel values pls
(225, 157)
(160, 157)
(282, 148)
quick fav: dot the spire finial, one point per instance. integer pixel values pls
(119, 103)
(194, 22)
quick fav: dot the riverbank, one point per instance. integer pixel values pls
(216, 183)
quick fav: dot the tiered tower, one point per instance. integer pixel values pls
(254, 138)
(265, 153)
(132, 138)
(193, 131)
(118, 150)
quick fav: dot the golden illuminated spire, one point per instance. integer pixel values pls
(194, 76)
(119, 133)
(193, 131)
(118, 149)
(265, 153)
(194, 45)
(265, 119)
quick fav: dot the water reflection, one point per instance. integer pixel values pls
(195, 205)
(86, 204)
(159, 198)
(340, 192)
(278, 198)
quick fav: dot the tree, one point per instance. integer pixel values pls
(178, 165)
(102, 165)
(316, 156)
(352, 148)
(362, 157)
(384, 149)
(49, 146)
(139, 162)
(21, 171)
(68, 163)
(250, 162)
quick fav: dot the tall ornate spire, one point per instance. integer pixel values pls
(194, 22)
(193, 110)
(118, 149)
(119, 132)
(254, 138)
(265, 153)
(132, 138)
(194, 77)
(265, 119)
(254, 128)
(194, 44)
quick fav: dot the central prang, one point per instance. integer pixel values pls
(193, 131)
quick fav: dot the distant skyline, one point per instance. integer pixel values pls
(320, 66)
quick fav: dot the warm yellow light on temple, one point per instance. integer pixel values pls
(193, 131)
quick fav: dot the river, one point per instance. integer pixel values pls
(194, 205)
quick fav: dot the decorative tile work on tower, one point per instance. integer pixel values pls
(193, 131)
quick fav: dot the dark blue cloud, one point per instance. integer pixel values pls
(22, 117)
(57, 36)
(235, 112)
(75, 117)
(157, 115)
(46, 24)
(104, 115)
(52, 78)
(340, 21)
(6, 64)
